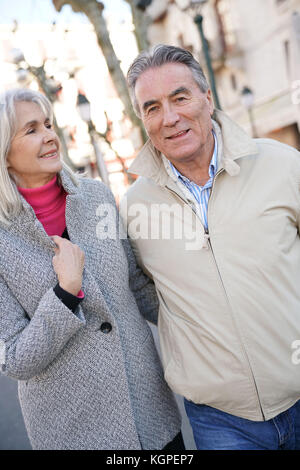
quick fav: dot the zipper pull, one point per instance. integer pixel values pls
(205, 245)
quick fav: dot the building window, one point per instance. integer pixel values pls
(233, 81)
(228, 23)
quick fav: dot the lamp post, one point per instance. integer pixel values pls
(196, 7)
(247, 100)
(84, 109)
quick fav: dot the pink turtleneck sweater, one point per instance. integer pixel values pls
(49, 205)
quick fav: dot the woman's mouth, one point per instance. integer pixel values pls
(49, 155)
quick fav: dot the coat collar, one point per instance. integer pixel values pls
(68, 184)
(26, 221)
(235, 143)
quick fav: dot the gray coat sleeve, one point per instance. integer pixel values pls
(140, 284)
(142, 287)
(30, 345)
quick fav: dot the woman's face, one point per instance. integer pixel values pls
(33, 158)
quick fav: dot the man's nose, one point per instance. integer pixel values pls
(170, 116)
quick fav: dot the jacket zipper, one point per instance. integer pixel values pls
(227, 299)
(206, 231)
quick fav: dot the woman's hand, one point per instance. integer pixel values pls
(68, 263)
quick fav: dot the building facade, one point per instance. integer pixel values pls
(253, 45)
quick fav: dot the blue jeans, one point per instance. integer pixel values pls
(215, 430)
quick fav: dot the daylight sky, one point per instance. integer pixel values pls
(43, 11)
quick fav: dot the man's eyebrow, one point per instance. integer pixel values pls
(181, 89)
(148, 103)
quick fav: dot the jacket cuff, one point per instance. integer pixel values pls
(70, 300)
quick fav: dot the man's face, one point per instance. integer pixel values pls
(175, 113)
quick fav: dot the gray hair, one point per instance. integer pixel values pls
(10, 199)
(160, 55)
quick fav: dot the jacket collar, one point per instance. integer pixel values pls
(235, 143)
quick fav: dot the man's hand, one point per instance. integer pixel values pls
(68, 263)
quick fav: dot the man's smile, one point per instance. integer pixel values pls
(178, 134)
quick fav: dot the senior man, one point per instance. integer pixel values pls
(229, 280)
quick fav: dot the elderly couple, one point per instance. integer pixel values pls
(74, 306)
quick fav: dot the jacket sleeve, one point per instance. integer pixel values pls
(30, 345)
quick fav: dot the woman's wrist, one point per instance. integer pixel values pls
(72, 289)
(69, 300)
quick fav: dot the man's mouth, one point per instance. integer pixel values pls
(178, 135)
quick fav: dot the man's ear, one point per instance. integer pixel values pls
(210, 102)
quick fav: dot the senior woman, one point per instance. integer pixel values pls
(70, 302)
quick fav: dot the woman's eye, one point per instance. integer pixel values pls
(30, 131)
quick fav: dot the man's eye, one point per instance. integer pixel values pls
(180, 98)
(153, 108)
(49, 125)
(30, 131)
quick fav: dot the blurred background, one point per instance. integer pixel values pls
(78, 52)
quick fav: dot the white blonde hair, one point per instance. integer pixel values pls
(10, 200)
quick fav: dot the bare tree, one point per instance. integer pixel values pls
(94, 11)
(141, 22)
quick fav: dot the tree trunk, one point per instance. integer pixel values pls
(93, 10)
(141, 22)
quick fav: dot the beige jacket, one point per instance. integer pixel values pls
(229, 320)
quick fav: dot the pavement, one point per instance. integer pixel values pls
(13, 434)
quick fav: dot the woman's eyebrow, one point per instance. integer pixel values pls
(34, 122)
(29, 123)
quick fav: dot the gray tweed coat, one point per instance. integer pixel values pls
(80, 387)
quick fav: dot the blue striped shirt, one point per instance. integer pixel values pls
(201, 193)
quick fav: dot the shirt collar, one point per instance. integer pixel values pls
(213, 166)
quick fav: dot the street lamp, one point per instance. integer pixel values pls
(84, 109)
(196, 7)
(248, 100)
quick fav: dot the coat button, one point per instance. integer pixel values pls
(106, 327)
